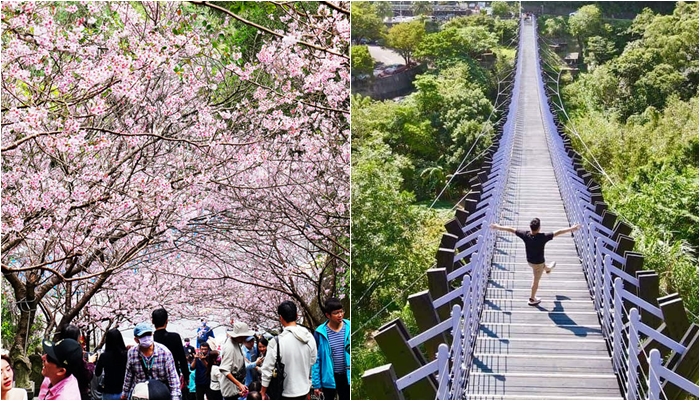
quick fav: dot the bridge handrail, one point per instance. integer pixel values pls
(596, 240)
(658, 371)
(480, 263)
(610, 268)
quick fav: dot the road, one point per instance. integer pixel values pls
(385, 56)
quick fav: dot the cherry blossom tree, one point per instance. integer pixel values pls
(146, 162)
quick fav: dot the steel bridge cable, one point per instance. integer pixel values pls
(481, 134)
(599, 168)
(575, 132)
(372, 285)
(385, 307)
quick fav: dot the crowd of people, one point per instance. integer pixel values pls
(162, 366)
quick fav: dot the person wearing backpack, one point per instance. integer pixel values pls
(296, 348)
(331, 372)
(150, 360)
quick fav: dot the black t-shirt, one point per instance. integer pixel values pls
(534, 245)
(173, 342)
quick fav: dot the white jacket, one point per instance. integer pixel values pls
(215, 378)
(298, 353)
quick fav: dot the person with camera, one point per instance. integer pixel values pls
(200, 364)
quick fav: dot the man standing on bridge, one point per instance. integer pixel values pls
(534, 250)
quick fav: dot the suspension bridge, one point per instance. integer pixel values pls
(602, 330)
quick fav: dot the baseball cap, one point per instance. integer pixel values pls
(66, 352)
(143, 328)
(151, 389)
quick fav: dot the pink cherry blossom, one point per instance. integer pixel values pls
(129, 183)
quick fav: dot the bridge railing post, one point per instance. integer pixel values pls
(632, 355)
(618, 328)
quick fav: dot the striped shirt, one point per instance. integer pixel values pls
(337, 342)
(162, 366)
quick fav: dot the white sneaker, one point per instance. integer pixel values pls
(534, 302)
(548, 269)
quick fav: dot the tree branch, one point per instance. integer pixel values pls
(262, 28)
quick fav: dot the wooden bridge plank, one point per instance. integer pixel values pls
(543, 345)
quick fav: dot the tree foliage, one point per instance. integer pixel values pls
(637, 121)
(142, 150)
(501, 9)
(361, 61)
(405, 37)
(421, 8)
(554, 27)
(663, 62)
(586, 22)
(366, 23)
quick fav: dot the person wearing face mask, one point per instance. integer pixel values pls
(204, 332)
(150, 360)
(189, 350)
(8, 391)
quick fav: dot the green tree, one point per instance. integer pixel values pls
(446, 44)
(477, 40)
(599, 51)
(501, 9)
(405, 38)
(366, 24)
(506, 31)
(421, 8)
(586, 22)
(555, 27)
(361, 62)
(384, 9)
(381, 222)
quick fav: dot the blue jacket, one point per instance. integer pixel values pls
(322, 371)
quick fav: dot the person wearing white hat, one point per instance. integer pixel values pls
(232, 366)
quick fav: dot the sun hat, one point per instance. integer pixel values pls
(240, 329)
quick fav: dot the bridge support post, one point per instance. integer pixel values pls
(675, 319)
(445, 259)
(438, 286)
(633, 263)
(649, 291)
(380, 383)
(674, 324)
(685, 364)
(392, 338)
(426, 317)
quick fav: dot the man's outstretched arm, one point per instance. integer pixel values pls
(502, 228)
(567, 230)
